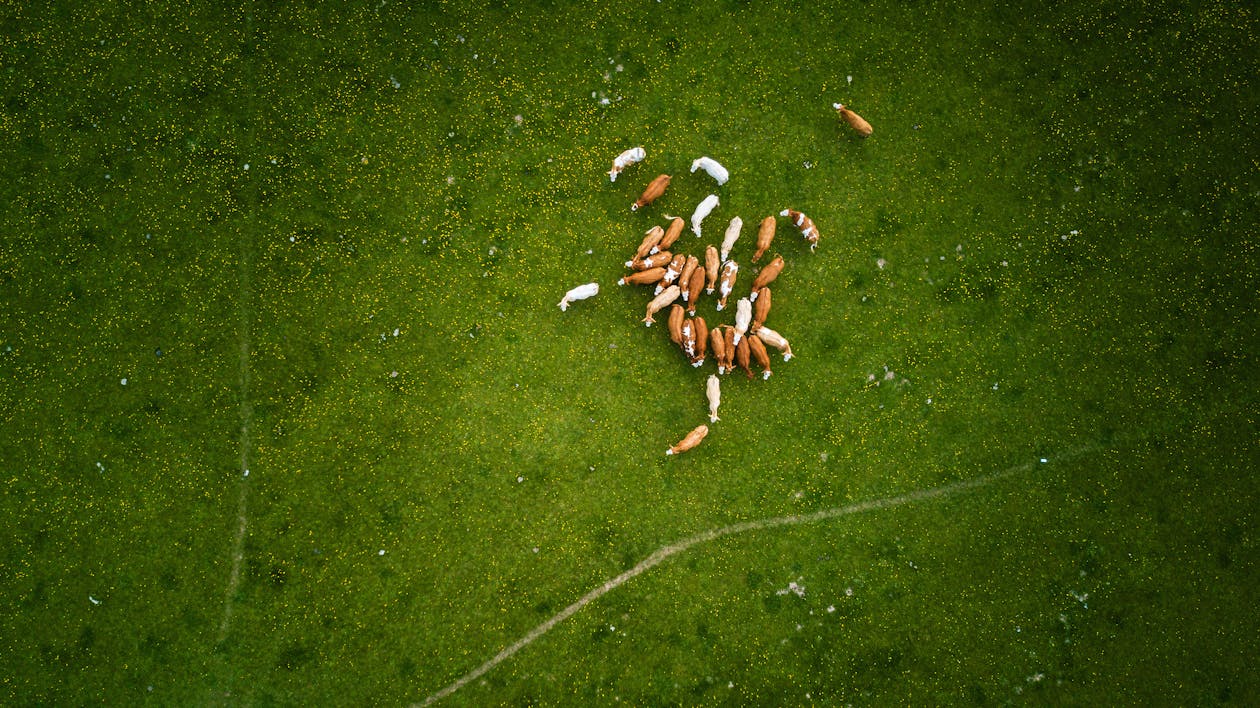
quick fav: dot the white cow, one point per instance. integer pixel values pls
(743, 317)
(713, 168)
(732, 235)
(702, 210)
(581, 292)
(624, 160)
(714, 391)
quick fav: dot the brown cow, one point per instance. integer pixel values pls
(652, 193)
(675, 324)
(729, 270)
(711, 264)
(805, 224)
(653, 261)
(728, 344)
(644, 277)
(742, 354)
(765, 234)
(659, 302)
(854, 120)
(761, 309)
(694, 286)
(702, 338)
(651, 237)
(675, 230)
(717, 342)
(688, 272)
(766, 276)
(693, 438)
(761, 356)
(776, 340)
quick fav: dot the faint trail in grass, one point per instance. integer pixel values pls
(245, 309)
(712, 535)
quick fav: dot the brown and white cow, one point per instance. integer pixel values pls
(766, 276)
(644, 277)
(776, 340)
(805, 224)
(676, 226)
(672, 272)
(660, 302)
(653, 261)
(729, 270)
(702, 340)
(624, 160)
(761, 309)
(711, 264)
(765, 234)
(653, 192)
(761, 356)
(854, 120)
(693, 438)
(687, 338)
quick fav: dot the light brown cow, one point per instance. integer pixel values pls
(728, 344)
(732, 235)
(766, 276)
(729, 270)
(717, 343)
(693, 438)
(743, 318)
(854, 120)
(702, 339)
(694, 286)
(760, 309)
(672, 272)
(761, 356)
(676, 324)
(644, 277)
(659, 302)
(651, 237)
(688, 272)
(653, 192)
(711, 264)
(653, 261)
(765, 234)
(776, 340)
(805, 224)
(742, 355)
(675, 230)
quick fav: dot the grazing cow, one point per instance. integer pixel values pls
(805, 224)
(702, 210)
(713, 390)
(742, 356)
(711, 264)
(581, 292)
(760, 309)
(854, 120)
(676, 324)
(653, 192)
(729, 270)
(688, 342)
(717, 342)
(659, 302)
(672, 272)
(711, 166)
(765, 234)
(672, 233)
(743, 317)
(624, 160)
(690, 269)
(761, 356)
(702, 341)
(732, 235)
(766, 276)
(653, 261)
(644, 277)
(694, 286)
(647, 247)
(728, 344)
(776, 340)
(693, 438)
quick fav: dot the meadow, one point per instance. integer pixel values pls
(289, 416)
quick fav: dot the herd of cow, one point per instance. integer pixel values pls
(676, 277)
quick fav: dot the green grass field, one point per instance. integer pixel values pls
(289, 416)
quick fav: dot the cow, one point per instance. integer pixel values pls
(672, 272)
(717, 342)
(694, 286)
(765, 234)
(766, 276)
(659, 302)
(743, 317)
(759, 355)
(854, 120)
(711, 166)
(776, 340)
(676, 324)
(653, 192)
(693, 438)
(653, 261)
(690, 270)
(624, 160)
(581, 292)
(713, 390)
(648, 246)
(732, 235)
(729, 270)
(761, 309)
(702, 339)
(675, 230)
(702, 210)
(728, 344)
(742, 356)
(805, 224)
(711, 264)
(644, 277)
